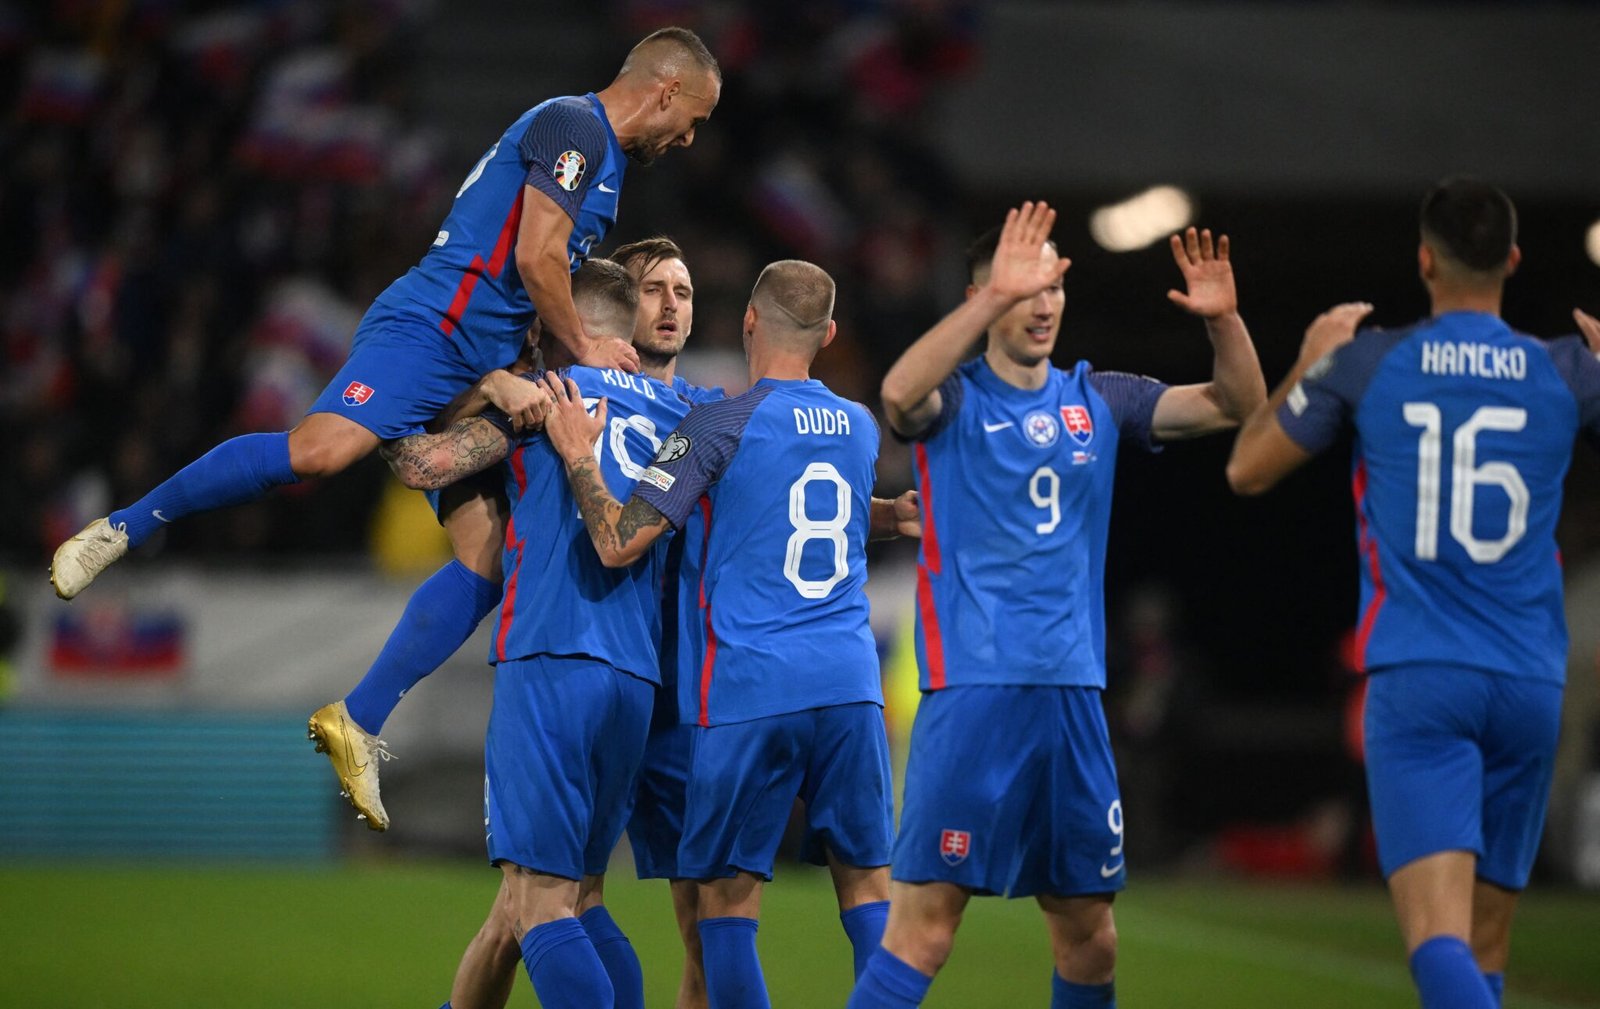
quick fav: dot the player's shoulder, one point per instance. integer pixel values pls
(697, 394)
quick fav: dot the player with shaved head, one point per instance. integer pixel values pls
(771, 492)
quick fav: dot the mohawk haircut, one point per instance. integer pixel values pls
(670, 50)
(1470, 222)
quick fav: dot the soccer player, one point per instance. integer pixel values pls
(526, 215)
(1010, 786)
(786, 700)
(576, 671)
(1463, 433)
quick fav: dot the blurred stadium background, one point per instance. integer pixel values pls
(198, 200)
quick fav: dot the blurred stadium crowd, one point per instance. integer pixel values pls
(200, 199)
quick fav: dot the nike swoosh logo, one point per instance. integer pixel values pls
(992, 428)
(604, 188)
(161, 517)
(1106, 872)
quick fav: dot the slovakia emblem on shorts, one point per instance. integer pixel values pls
(1080, 424)
(1041, 428)
(568, 170)
(355, 394)
(954, 846)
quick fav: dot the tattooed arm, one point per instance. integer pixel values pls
(621, 533)
(432, 461)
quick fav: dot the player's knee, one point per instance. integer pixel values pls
(317, 451)
(1089, 955)
(925, 945)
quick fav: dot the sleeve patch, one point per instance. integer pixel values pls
(1298, 401)
(659, 478)
(674, 448)
(568, 170)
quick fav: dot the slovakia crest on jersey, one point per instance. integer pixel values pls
(1041, 428)
(954, 846)
(355, 394)
(568, 170)
(1080, 423)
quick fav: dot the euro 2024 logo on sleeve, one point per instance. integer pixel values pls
(954, 845)
(355, 394)
(568, 170)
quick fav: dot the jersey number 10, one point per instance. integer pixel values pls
(1466, 475)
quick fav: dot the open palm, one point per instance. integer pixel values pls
(1207, 274)
(1025, 262)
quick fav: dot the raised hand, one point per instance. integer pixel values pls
(1589, 326)
(1333, 329)
(1025, 262)
(1207, 274)
(610, 353)
(569, 426)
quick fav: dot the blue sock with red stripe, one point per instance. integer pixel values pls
(889, 983)
(1447, 977)
(864, 925)
(733, 970)
(240, 469)
(1065, 994)
(441, 615)
(616, 953)
(565, 970)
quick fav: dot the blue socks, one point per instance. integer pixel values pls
(565, 970)
(733, 971)
(864, 925)
(617, 955)
(239, 470)
(889, 983)
(1065, 994)
(1447, 977)
(441, 615)
(1497, 987)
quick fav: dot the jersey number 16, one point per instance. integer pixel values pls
(1466, 475)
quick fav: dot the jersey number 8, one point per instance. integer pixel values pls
(807, 529)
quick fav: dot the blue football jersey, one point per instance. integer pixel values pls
(1463, 433)
(773, 490)
(468, 284)
(559, 599)
(1015, 487)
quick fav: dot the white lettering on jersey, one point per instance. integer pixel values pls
(444, 236)
(1475, 360)
(820, 420)
(611, 376)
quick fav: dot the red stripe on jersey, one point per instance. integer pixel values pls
(458, 304)
(932, 564)
(711, 635)
(1368, 547)
(508, 237)
(508, 605)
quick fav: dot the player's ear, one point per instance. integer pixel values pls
(750, 317)
(669, 91)
(1425, 261)
(833, 331)
(1514, 260)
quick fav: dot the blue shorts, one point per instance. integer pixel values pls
(1012, 790)
(400, 374)
(656, 827)
(564, 741)
(745, 776)
(1460, 759)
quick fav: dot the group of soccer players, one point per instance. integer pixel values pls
(677, 577)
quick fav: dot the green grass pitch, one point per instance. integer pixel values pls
(390, 934)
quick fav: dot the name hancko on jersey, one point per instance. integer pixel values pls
(820, 420)
(1477, 360)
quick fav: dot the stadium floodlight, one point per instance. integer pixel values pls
(1141, 220)
(1592, 243)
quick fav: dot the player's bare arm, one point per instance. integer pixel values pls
(892, 517)
(525, 402)
(1024, 264)
(1237, 386)
(621, 533)
(1589, 326)
(542, 235)
(1264, 454)
(432, 461)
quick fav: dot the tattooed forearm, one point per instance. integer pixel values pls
(431, 461)
(621, 533)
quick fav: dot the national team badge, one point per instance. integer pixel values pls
(954, 846)
(1041, 428)
(569, 170)
(355, 394)
(1080, 424)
